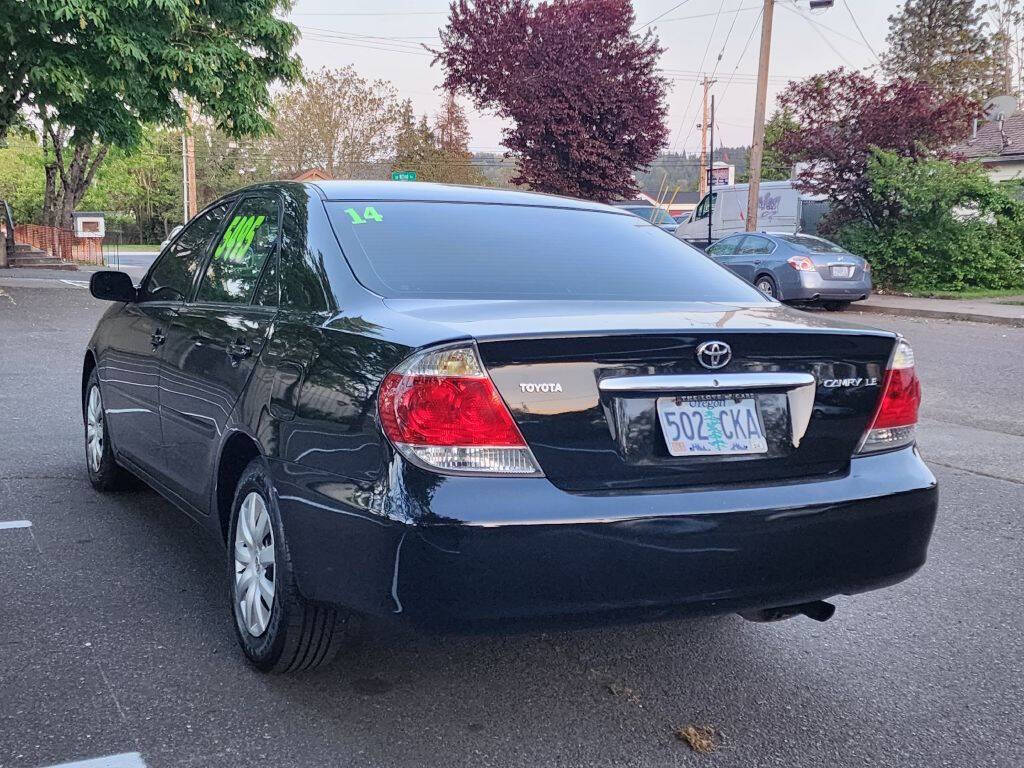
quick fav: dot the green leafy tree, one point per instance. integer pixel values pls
(774, 164)
(337, 121)
(94, 71)
(21, 177)
(944, 43)
(950, 227)
(142, 186)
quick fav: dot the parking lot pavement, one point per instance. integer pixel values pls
(115, 636)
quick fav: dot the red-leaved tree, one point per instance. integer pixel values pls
(841, 115)
(582, 92)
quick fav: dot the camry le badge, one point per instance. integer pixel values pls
(714, 354)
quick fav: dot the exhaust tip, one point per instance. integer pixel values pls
(819, 610)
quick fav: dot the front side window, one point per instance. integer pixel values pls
(725, 247)
(706, 205)
(477, 251)
(249, 239)
(172, 277)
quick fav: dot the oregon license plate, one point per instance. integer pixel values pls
(711, 426)
(842, 272)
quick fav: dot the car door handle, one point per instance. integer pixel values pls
(239, 350)
(157, 338)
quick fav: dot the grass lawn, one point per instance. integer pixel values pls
(974, 293)
(122, 247)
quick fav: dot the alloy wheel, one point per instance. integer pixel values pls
(765, 287)
(254, 565)
(94, 429)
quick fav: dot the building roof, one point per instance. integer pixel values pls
(313, 174)
(992, 144)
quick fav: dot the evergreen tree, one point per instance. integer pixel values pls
(452, 131)
(944, 43)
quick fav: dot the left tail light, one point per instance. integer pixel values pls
(440, 410)
(895, 418)
(800, 263)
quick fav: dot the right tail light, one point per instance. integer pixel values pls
(896, 415)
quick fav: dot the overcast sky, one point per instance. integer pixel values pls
(381, 39)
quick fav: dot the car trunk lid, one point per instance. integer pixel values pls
(583, 383)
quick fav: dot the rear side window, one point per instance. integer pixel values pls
(754, 244)
(173, 275)
(479, 251)
(249, 240)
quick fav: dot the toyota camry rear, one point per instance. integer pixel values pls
(498, 408)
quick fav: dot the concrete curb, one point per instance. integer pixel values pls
(941, 314)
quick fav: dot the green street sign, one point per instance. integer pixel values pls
(403, 175)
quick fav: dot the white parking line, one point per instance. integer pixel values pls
(15, 524)
(124, 760)
(77, 283)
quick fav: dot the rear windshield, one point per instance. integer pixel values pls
(812, 244)
(481, 251)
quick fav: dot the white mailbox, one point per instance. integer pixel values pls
(90, 224)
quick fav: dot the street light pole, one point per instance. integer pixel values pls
(757, 145)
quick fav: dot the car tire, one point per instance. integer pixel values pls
(278, 629)
(835, 306)
(766, 285)
(105, 474)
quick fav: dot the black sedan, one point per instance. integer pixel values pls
(476, 407)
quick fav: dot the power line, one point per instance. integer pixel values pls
(814, 25)
(739, 61)
(861, 31)
(693, 90)
(660, 15)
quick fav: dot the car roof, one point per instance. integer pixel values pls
(420, 191)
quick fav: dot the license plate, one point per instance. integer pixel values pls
(842, 272)
(711, 426)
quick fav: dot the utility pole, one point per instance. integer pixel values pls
(190, 146)
(757, 145)
(184, 178)
(711, 173)
(702, 181)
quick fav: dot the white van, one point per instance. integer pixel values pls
(781, 208)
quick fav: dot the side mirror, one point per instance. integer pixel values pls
(110, 285)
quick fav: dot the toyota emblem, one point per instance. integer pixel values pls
(714, 354)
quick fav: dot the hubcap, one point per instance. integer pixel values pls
(94, 429)
(766, 288)
(254, 565)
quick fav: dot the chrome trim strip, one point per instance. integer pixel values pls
(800, 390)
(705, 381)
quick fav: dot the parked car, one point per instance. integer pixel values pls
(654, 214)
(451, 405)
(781, 208)
(174, 232)
(796, 268)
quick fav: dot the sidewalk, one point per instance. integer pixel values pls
(976, 310)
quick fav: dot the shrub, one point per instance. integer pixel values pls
(950, 227)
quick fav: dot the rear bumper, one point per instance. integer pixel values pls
(528, 551)
(810, 286)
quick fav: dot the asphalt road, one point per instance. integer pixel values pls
(115, 635)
